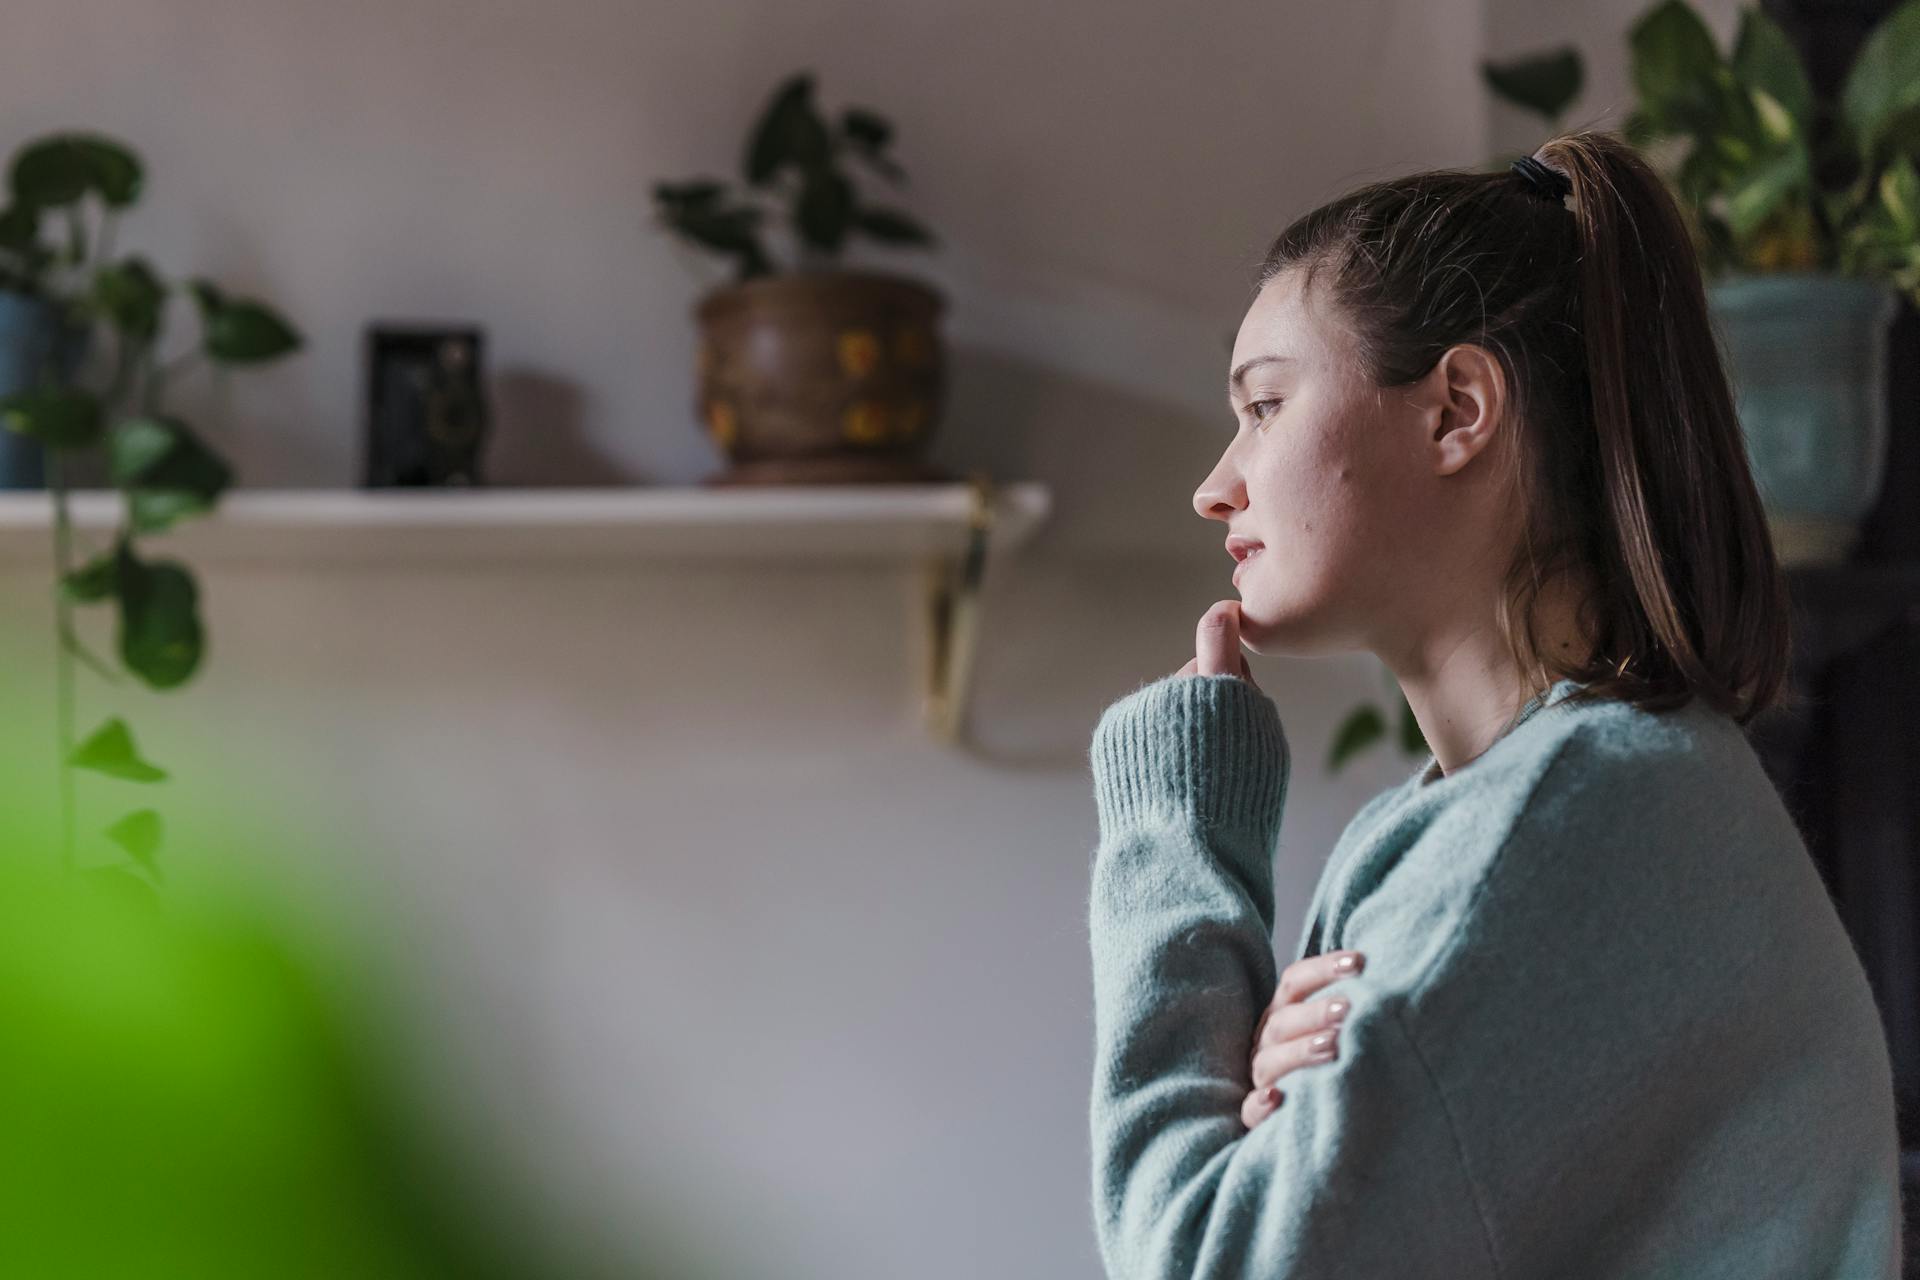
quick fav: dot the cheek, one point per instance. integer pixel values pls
(1315, 496)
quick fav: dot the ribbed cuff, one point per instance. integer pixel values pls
(1204, 747)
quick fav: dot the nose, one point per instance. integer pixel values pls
(1222, 493)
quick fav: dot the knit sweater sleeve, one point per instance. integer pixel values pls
(1357, 1173)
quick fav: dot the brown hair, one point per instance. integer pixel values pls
(1636, 479)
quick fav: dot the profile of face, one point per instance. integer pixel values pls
(1361, 497)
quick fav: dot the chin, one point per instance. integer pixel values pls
(1281, 628)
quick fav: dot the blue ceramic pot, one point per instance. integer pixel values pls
(1807, 355)
(30, 335)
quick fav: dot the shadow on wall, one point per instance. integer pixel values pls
(538, 440)
(1123, 468)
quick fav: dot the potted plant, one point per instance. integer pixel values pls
(59, 407)
(816, 373)
(1806, 214)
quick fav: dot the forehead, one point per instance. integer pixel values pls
(1283, 319)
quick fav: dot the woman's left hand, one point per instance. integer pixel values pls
(1216, 645)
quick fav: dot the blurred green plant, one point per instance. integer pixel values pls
(188, 1097)
(794, 155)
(182, 1102)
(76, 187)
(234, 1083)
(1771, 175)
(1366, 724)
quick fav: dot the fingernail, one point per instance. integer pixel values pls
(1271, 1097)
(1336, 1010)
(1347, 964)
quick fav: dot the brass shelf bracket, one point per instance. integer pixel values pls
(953, 619)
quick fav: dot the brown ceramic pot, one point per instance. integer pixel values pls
(822, 377)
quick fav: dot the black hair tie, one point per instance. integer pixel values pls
(1546, 182)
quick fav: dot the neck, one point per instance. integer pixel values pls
(1464, 685)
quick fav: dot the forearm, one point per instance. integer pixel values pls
(1190, 779)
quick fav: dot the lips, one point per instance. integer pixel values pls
(1243, 549)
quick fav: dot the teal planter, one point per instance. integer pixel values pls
(1807, 356)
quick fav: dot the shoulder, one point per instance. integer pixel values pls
(1637, 825)
(1590, 810)
(1608, 765)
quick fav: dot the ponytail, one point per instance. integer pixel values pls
(1698, 599)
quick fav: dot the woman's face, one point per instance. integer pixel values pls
(1333, 476)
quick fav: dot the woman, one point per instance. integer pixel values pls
(1581, 1006)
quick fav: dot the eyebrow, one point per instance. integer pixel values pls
(1240, 373)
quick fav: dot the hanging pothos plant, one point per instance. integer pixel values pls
(72, 189)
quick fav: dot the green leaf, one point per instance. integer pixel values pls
(1774, 118)
(825, 210)
(865, 129)
(1765, 61)
(111, 751)
(1899, 190)
(61, 168)
(244, 332)
(115, 172)
(700, 194)
(50, 172)
(139, 834)
(207, 295)
(1685, 86)
(1671, 46)
(790, 132)
(91, 582)
(19, 226)
(161, 639)
(1763, 189)
(137, 445)
(1542, 83)
(58, 417)
(168, 472)
(892, 226)
(1359, 730)
(866, 136)
(728, 230)
(1883, 84)
(131, 296)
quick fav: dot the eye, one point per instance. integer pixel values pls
(1258, 408)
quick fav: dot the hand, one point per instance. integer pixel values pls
(1283, 1041)
(1216, 645)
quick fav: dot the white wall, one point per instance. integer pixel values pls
(704, 910)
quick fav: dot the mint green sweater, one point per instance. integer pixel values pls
(1610, 1024)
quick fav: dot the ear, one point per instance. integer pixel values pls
(1467, 398)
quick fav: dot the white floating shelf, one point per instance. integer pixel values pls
(488, 526)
